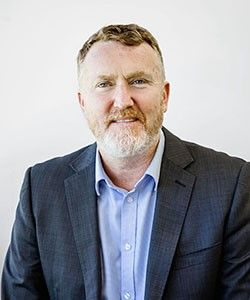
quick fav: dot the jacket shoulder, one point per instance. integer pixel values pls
(214, 162)
(199, 151)
(63, 164)
(185, 153)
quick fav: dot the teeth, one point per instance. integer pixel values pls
(125, 121)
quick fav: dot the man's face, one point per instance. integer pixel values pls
(123, 95)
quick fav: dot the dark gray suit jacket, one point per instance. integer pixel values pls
(200, 244)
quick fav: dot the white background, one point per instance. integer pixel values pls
(206, 46)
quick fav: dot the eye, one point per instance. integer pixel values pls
(138, 81)
(103, 84)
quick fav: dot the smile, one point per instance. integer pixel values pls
(125, 120)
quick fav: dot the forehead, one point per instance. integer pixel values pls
(111, 56)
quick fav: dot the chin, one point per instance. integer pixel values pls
(127, 143)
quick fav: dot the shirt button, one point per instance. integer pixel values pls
(128, 247)
(130, 199)
(127, 296)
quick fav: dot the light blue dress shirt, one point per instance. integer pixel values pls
(125, 224)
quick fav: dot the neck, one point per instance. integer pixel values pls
(125, 172)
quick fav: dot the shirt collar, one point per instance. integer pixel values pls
(153, 169)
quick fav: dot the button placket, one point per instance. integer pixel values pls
(128, 233)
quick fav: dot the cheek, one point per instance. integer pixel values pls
(96, 115)
(98, 104)
(150, 103)
(95, 108)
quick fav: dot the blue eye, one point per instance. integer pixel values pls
(139, 81)
(103, 84)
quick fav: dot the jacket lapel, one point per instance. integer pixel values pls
(82, 205)
(174, 191)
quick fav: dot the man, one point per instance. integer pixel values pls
(140, 214)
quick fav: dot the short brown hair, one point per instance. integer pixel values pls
(130, 35)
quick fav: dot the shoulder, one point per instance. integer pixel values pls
(210, 158)
(62, 166)
(203, 161)
(214, 166)
(207, 155)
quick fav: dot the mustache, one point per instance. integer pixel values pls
(125, 113)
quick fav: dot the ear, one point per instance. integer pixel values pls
(80, 100)
(166, 90)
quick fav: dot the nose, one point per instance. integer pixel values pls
(122, 96)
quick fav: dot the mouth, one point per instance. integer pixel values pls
(125, 120)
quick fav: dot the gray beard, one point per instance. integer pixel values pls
(126, 143)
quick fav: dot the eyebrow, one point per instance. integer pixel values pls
(138, 74)
(105, 77)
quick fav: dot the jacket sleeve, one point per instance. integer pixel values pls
(22, 276)
(235, 271)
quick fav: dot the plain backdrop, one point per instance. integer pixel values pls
(206, 47)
